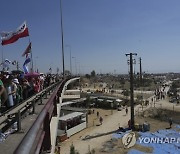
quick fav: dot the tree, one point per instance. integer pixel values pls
(67, 72)
(126, 92)
(87, 76)
(139, 97)
(72, 150)
(93, 73)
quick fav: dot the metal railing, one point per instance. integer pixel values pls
(16, 113)
(38, 138)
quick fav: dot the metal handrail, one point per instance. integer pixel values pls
(27, 143)
(14, 110)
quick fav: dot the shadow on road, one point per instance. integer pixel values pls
(99, 135)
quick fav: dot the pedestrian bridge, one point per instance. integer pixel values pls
(36, 120)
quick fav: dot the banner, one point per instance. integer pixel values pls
(13, 36)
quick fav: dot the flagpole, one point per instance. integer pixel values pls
(32, 69)
(2, 57)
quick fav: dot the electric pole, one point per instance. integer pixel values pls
(131, 87)
(140, 69)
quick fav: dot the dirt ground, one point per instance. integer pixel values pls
(106, 144)
(93, 122)
(115, 146)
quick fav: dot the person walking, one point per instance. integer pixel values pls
(170, 122)
(101, 120)
(97, 114)
(126, 110)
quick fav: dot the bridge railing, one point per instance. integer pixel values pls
(38, 138)
(16, 113)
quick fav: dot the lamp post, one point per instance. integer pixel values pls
(70, 58)
(75, 64)
(62, 38)
(35, 63)
(79, 68)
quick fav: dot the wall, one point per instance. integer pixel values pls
(76, 129)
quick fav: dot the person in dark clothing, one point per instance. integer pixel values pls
(97, 114)
(101, 120)
(25, 87)
(126, 110)
(3, 96)
(170, 122)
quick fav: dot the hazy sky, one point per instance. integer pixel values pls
(99, 32)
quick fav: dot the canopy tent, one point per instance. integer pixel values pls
(32, 74)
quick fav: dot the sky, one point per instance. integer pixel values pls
(98, 32)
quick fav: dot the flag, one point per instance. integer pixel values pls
(13, 36)
(6, 63)
(28, 60)
(25, 65)
(28, 50)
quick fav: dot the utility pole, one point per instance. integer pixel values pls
(140, 69)
(131, 87)
(62, 38)
(70, 62)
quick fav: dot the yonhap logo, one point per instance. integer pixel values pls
(129, 140)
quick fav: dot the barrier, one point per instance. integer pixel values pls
(39, 134)
(16, 113)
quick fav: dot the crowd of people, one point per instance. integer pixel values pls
(15, 88)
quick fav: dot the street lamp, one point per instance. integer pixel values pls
(35, 63)
(62, 38)
(75, 64)
(79, 67)
(70, 58)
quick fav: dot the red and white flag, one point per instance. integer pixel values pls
(27, 51)
(13, 36)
